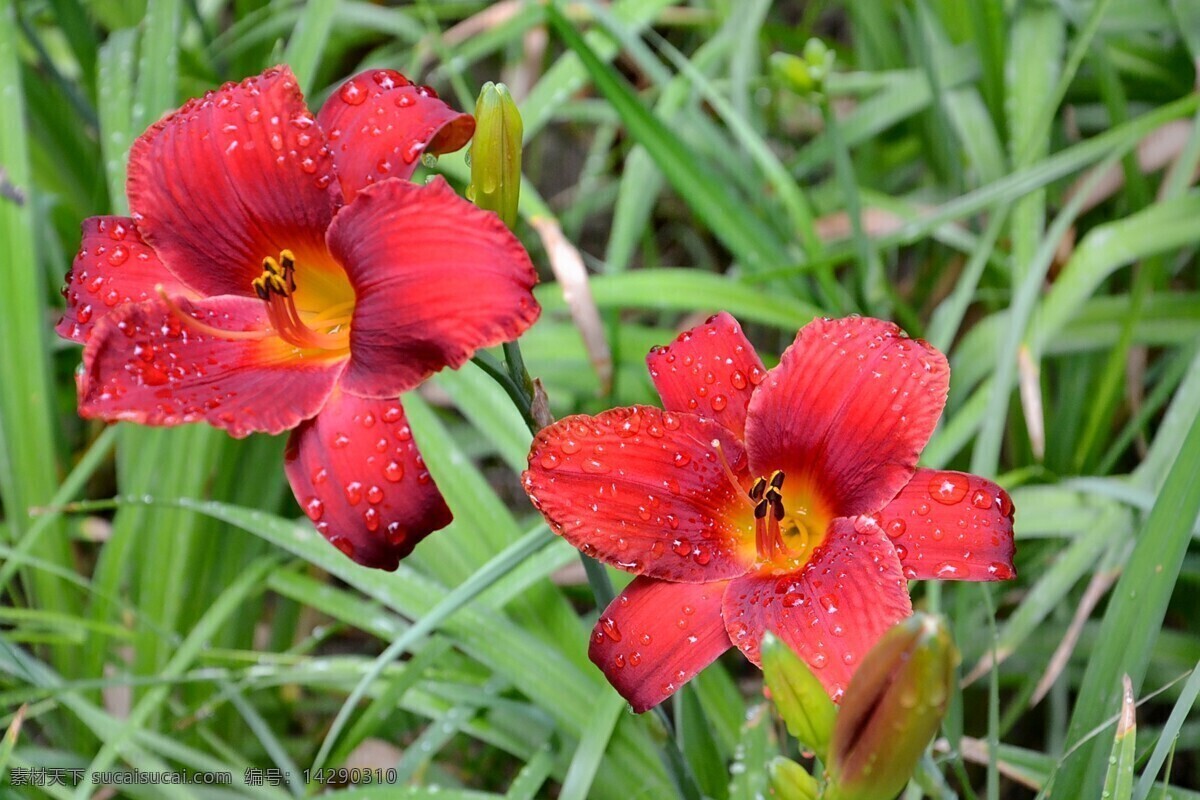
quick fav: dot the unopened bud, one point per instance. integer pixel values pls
(496, 153)
(790, 781)
(892, 708)
(798, 696)
(805, 75)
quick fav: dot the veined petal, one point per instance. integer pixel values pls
(645, 490)
(656, 636)
(952, 526)
(145, 364)
(830, 612)
(356, 472)
(379, 124)
(234, 177)
(849, 408)
(113, 266)
(436, 279)
(710, 370)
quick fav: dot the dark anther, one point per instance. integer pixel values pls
(757, 490)
(777, 479)
(760, 510)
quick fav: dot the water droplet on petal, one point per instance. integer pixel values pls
(609, 626)
(352, 94)
(947, 488)
(314, 508)
(353, 492)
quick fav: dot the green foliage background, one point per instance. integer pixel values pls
(984, 173)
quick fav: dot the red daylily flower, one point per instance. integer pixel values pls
(280, 271)
(786, 500)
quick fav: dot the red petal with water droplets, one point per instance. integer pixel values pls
(356, 472)
(144, 364)
(436, 279)
(379, 125)
(113, 266)
(656, 636)
(952, 526)
(710, 370)
(231, 178)
(830, 612)
(645, 490)
(848, 410)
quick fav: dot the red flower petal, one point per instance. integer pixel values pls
(832, 611)
(656, 636)
(379, 125)
(143, 363)
(356, 472)
(113, 266)
(709, 370)
(232, 178)
(953, 526)
(645, 490)
(849, 408)
(436, 279)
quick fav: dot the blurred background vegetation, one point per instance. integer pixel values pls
(1010, 179)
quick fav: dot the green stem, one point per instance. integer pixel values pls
(521, 397)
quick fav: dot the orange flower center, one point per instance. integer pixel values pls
(327, 328)
(788, 526)
(789, 523)
(314, 320)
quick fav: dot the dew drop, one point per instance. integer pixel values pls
(738, 379)
(314, 508)
(352, 94)
(609, 626)
(394, 471)
(719, 402)
(371, 519)
(947, 488)
(895, 528)
(353, 492)
(981, 500)
(374, 495)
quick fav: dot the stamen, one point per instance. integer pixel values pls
(756, 491)
(733, 481)
(203, 327)
(276, 287)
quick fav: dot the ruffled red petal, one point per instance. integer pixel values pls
(436, 279)
(710, 370)
(144, 364)
(830, 612)
(952, 526)
(113, 266)
(356, 472)
(379, 124)
(848, 410)
(644, 490)
(656, 636)
(232, 178)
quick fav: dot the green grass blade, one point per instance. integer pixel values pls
(745, 234)
(28, 450)
(586, 761)
(1118, 781)
(307, 42)
(465, 593)
(1135, 612)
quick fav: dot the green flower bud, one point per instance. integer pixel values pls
(496, 153)
(805, 75)
(790, 781)
(892, 708)
(798, 696)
